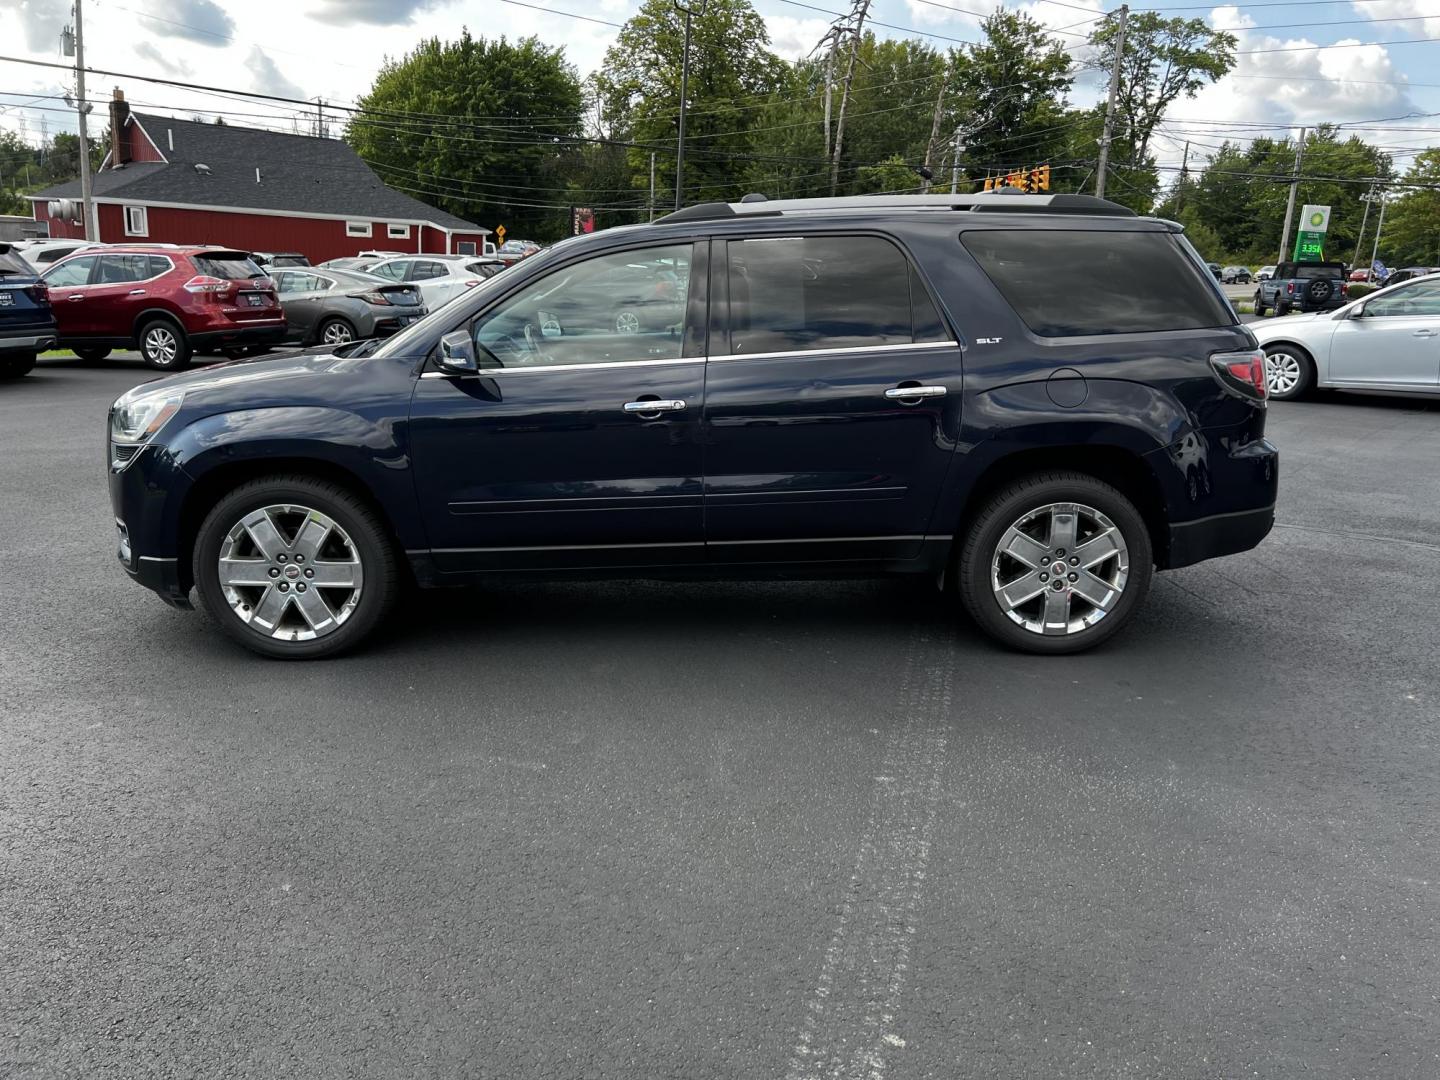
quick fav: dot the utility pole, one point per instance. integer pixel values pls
(1184, 175)
(87, 200)
(829, 82)
(934, 133)
(1367, 199)
(955, 163)
(1294, 185)
(688, 12)
(1109, 132)
(856, 34)
(1375, 249)
(652, 185)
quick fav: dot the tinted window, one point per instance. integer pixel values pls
(1312, 272)
(50, 255)
(1422, 298)
(1064, 283)
(70, 273)
(395, 271)
(229, 267)
(158, 265)
(824, 292)
(609, 309)
(11, 263)
(425, 270)
(118, 269)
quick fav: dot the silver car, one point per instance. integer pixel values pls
(325, 306)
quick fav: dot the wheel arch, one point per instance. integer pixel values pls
(150, 315)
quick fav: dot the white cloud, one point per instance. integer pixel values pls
(202, 22)
(170, 64)
(1402, 9)
(794, 38)
(40, 19)
(372, 12)
(267, 78)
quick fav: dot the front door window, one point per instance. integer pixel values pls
(620, 307)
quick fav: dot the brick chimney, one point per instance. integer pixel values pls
(120, 152)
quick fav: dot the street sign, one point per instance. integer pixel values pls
(1310, 240)
(500, 233)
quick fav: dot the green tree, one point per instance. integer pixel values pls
(731, 69)
(1164, 60)
(479, 128)
(1412, 222)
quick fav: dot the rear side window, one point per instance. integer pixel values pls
(229, 267)
(796, 294)
(1073, 283)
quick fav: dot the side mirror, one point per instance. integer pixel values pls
(457, 354)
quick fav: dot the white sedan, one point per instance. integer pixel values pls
(1389, 340)
(441, 278)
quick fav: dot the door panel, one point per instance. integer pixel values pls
(1396, 342)
(69, 284)
(814, 452)
(536, 463)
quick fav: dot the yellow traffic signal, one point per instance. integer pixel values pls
(1042, 178)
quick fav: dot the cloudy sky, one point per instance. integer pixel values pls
(331, 48)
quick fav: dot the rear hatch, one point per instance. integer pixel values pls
(401, 295)
(240, 285)
(24, 299)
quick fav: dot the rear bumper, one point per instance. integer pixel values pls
(1224, 534)
(27, 343)
(269, 334)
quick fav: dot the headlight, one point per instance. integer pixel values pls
(139, 415)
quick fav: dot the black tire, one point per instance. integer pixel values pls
(163, 345)
(91, 354)
(335, 325)
(1306, 372)
(978, 546)
(16, 365)
(1281, 308)
(1260, 308)
(371, 540)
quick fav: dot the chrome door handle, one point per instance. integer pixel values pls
(1424, 333)
(75, 296)
(659, 405)
(135, 292)
(901, 393)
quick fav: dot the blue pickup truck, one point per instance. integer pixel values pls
(1309, 286)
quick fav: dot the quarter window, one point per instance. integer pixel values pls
(614, 308)
(136, 221)
(798, 294)
(395, 271)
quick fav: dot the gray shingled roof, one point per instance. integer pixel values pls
(298, 173)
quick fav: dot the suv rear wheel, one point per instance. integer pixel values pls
(91, 353)
(164, 346)
(16, 365)
(1055, 563)
(295, 568)
(1260, 308)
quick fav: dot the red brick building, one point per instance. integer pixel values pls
(167, 180)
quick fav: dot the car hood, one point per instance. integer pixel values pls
(239, 381)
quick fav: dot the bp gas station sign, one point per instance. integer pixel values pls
(1310, 240)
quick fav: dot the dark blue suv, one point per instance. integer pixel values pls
(1033, 400)
(27, 323)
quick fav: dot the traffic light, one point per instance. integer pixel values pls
(1041, 177)
(989, 183)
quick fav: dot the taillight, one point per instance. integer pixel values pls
(1242, 372)
(1290, 287)
(1344, 285)
(204, 284)
(372, 297)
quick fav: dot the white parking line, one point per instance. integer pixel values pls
(849, 1027)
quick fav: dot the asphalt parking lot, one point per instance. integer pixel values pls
(708, 831)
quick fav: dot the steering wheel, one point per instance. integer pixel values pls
(534, 347)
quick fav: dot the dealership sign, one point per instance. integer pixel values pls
(1310, 240)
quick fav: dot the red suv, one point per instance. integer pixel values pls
(168, 302)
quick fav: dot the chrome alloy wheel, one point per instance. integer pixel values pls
(160, 346)
(1282, 372)
(337, 333)
(1060, 569)
(627, 322)
(290, 572)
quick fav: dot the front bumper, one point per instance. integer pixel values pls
(139, 510)
(161, 576)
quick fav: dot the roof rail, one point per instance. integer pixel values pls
(983, 202)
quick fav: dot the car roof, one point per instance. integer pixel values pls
(984, 202)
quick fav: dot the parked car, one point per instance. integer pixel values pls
(441, 277)
(1265, 273)
(351, 262)
(1388, 340)
(1359, 275)
(168, 302)
(27, 325)
(1408, 273)
(814, 412)
(41, 253)
(512, 251)
(270, 259)
(1214, 269)
(1235, 275)
(331, 307)
(1307, 286)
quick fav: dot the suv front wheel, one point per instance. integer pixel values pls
(1055, 563)
(295, 568)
